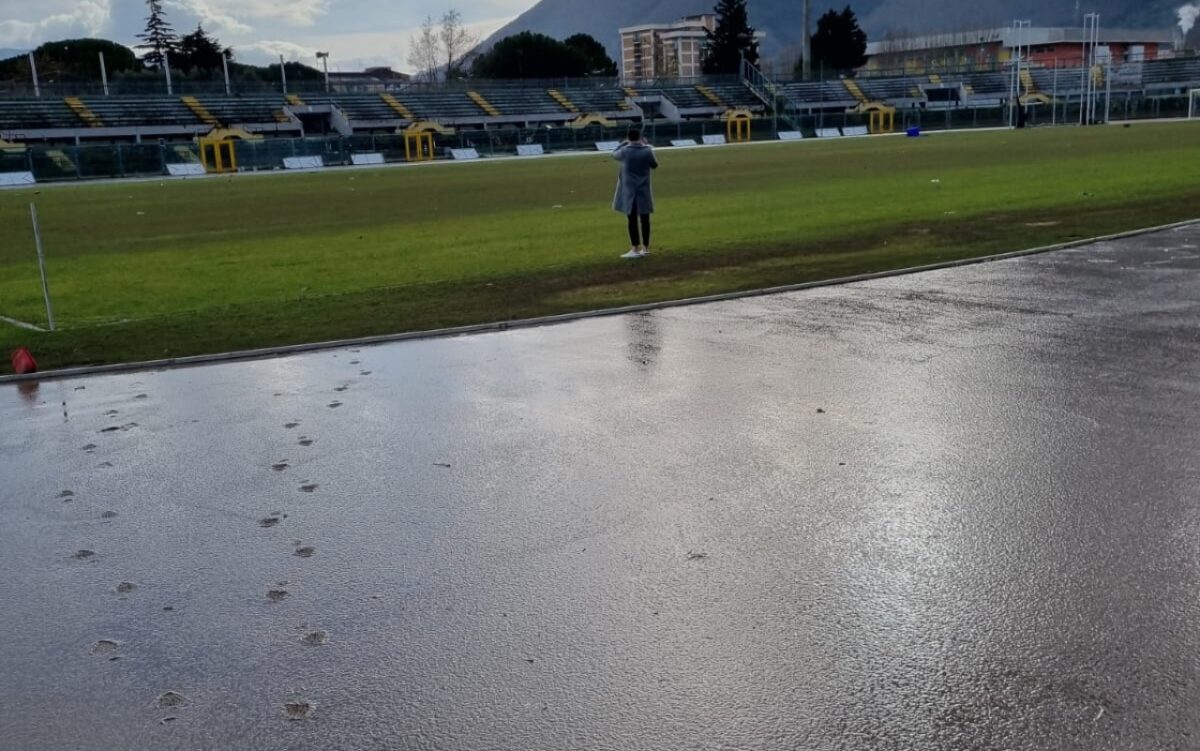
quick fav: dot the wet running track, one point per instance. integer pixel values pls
(958, 510)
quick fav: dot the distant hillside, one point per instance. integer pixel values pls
(6, 54)
(780, 19)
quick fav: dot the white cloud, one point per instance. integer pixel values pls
(28, 24)
(235, 14)
(349, 52)
(213, 19)
(268, 51)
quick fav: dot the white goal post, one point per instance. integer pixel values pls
(1193, 104)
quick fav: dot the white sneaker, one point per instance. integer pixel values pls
(643, 252)
(633, 253)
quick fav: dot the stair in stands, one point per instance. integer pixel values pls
(295, 100)
(856, 92)
(629, 92)
(711, 95)
(82, 112)
(935, 79)
(199, 110)
(397, 106)
(562, 100)
(484, 104)
(1027, 84)
(281, 117)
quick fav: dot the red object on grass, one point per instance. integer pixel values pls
(23, 362)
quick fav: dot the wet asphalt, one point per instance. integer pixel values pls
(956, 510)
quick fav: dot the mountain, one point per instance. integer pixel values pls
(780, 19)
(6, 54)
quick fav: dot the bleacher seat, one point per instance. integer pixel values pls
(120, 112)
(1184, 73)
(34, 114)
(600, 99)
(239, 110)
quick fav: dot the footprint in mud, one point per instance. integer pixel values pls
(364, 372)
(89, 448)
(108, 515)
(142, 396)
(125, 588)
(277, 595)
(105, 647)
(334, 405)
(340, 389)
(356, 362)
(315, 639)
(298, 709)
(290, 425)
(83, 555)
(280, 466)
(309, 488)
(104, 465)
(304, 441)
(268, 522)
(110, 429)
(111, 413)
(67, 495)
(171, 699)
(305, 551)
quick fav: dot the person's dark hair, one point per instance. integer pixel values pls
(633, 135)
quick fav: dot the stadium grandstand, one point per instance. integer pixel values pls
(85, 134)
(77, 119)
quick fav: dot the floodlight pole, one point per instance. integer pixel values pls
(806, 42)
(1020, 38)
(1054, 99)
(1091, 40)
(167, 68)
(225, 67)
(37, 239)
(283, 74)
(104, 74)
(1108, 91)
(37, 88)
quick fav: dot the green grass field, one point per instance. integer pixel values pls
(162, 269)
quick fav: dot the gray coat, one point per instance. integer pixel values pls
(637, 159)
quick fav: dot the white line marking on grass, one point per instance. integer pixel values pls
(21, 324)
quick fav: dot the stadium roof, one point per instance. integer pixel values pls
(1007, 37)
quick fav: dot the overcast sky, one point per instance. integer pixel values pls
(357, 33)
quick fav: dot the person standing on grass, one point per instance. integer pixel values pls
(634, 197)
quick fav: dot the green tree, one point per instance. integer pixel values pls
(839, 44)
(75, 58)
(596, 57)
(732, 40)
(531, 55)
(159, 38)
(200, 51)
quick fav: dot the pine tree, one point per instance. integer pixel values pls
(158, 38)
(839, 44)
(732, 40)
(201, 51)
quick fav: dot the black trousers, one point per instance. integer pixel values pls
(633, 227)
